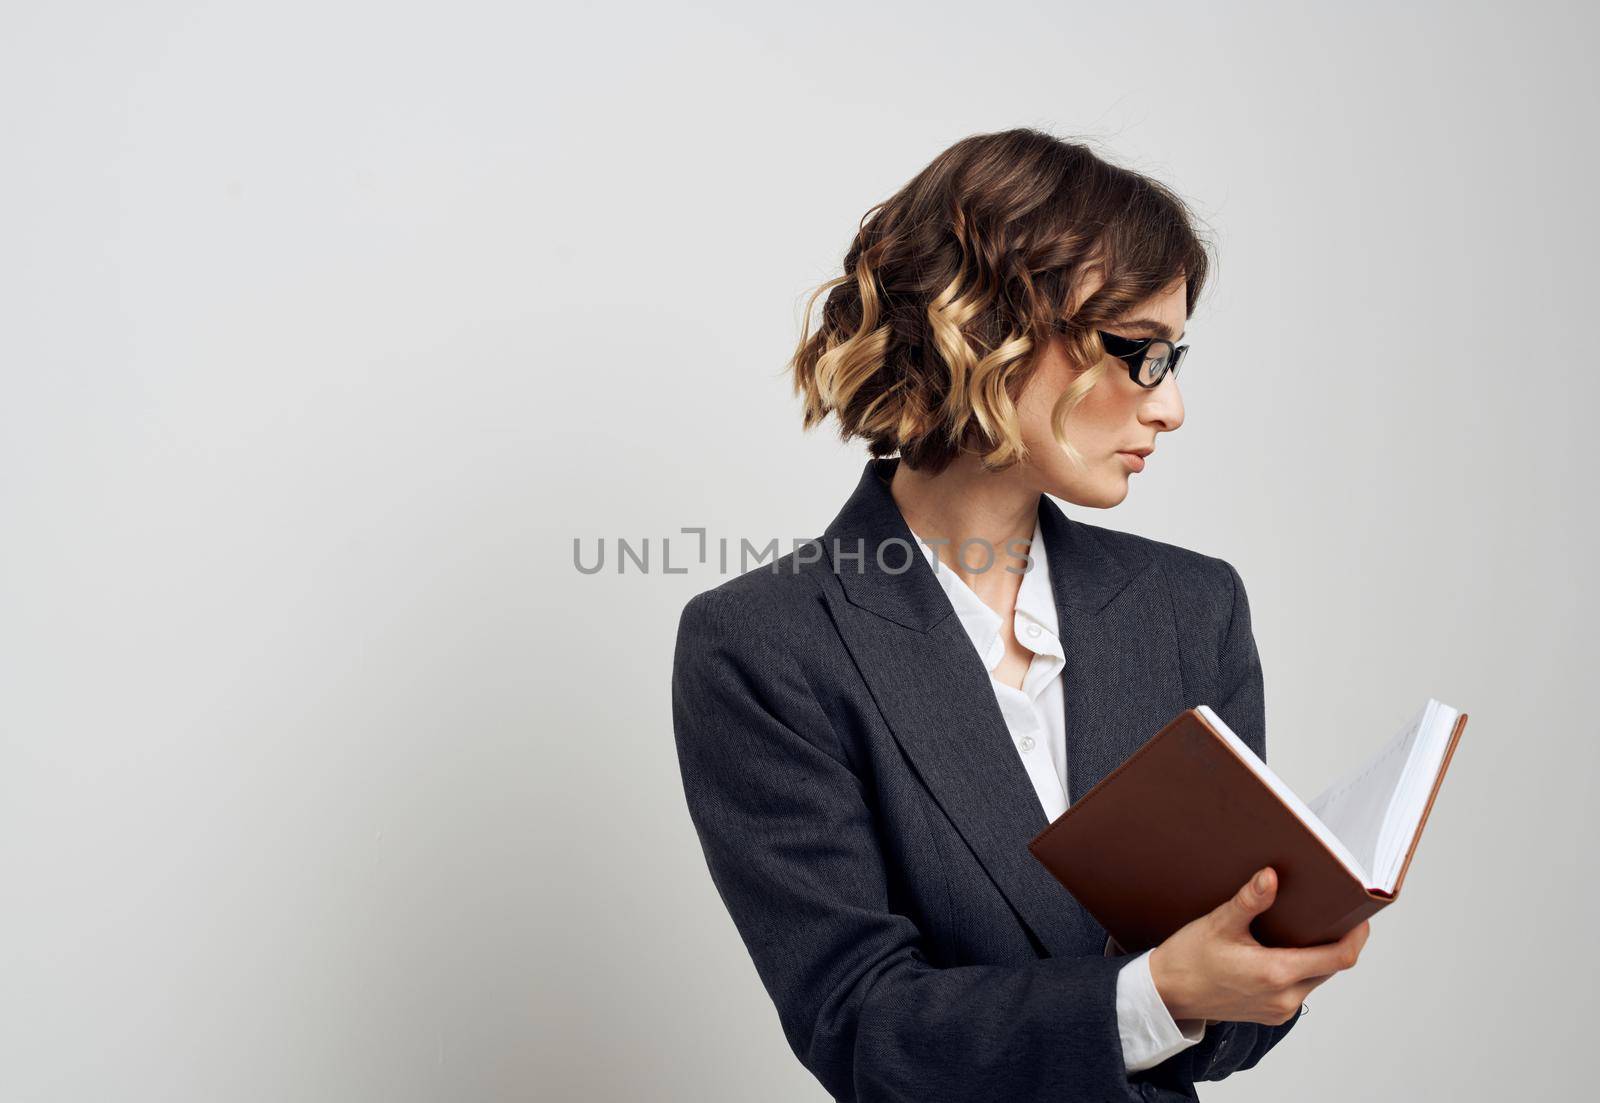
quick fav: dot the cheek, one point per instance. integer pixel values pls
(1102, 413)
(1035, 404)
(1098, 422)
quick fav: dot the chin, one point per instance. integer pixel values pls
(1100, 495)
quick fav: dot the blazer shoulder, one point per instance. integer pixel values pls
(757, 636)
(771, 593)
(1196, 577)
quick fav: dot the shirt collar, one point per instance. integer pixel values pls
(1035, 605)
(1035, 598)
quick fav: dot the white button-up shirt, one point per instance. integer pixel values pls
(1035, 715)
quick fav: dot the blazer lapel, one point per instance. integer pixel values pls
(937, 698)
(1123, 677)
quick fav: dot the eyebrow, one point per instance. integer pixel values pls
(1160, 329)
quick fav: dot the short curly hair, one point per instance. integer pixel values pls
(928, 337)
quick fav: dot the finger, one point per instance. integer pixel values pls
(1329, 958)
(1356, 937)
(1254, 897)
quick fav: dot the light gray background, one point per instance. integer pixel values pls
(324, 775)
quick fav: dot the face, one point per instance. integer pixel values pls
(1116, 417)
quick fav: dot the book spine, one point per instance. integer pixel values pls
(1367, 908)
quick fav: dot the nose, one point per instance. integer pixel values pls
(1162, 407)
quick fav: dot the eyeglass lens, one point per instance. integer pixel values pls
(1157, 356)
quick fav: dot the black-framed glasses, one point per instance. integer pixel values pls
(1149, 359)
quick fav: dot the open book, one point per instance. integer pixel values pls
(1370, 818)
(1183, 823)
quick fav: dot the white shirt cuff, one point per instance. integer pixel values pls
(1149, 1033)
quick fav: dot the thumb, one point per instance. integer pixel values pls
(1255, 897)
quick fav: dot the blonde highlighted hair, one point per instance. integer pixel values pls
(953, 285)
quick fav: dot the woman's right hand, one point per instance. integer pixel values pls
(1213, 968)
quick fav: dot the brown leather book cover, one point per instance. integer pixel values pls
(1182, 824)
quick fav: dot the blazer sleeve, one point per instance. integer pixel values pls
(788, 833)
(1229, 1047)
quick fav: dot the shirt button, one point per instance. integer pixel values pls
(1033, 629)
(1026, 743)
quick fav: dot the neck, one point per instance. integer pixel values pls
(966, 503)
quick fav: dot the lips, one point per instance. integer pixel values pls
(1135, 461)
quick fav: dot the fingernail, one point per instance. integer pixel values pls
(1261, 881)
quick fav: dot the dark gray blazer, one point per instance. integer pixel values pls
(866, 818)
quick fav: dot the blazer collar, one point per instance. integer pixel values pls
(1121, 680)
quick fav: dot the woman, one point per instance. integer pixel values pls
(872, 728)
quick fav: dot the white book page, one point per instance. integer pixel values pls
(1357, 806)
(1405, 812)
(1329, 838)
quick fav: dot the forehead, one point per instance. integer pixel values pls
(1169, 306)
